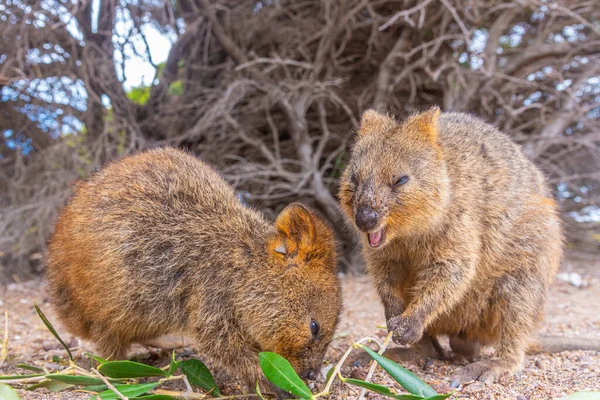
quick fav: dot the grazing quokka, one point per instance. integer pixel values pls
(460, 232)
(158, 243)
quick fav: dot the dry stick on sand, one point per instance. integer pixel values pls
(4, 352)
(107, 383)
(194, 396)
(187, 385)
(382, 348)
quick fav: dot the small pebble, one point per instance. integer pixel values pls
(73, 342)
(474, 387)
(324, 371)
(358, 373)
(47, 345)
(583, 358)
(572, 278)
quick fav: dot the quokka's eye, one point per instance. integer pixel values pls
(314, 328)
(401, 181)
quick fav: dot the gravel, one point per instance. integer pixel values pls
(572, 311)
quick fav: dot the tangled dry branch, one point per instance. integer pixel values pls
(270, 92)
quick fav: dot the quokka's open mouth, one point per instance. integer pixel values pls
(376, 238)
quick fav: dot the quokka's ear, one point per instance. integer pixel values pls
(296, 223)
(424, 124)
(374, 122)
(301, 236)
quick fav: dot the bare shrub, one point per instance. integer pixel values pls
(271, 91)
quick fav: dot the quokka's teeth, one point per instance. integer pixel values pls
(375, 238)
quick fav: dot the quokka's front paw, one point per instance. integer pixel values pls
(407, 329)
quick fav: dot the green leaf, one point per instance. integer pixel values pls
(139, 95)
(129, 369)
(129, 391)
(75, 379)
(404, 377)
(50, 385)
(30, 367)
(280, 373)
(381, 389)
(329, 373)
(257, 390)
(96, 388)
(160, 68)
(8, 393)
(8, 377)
(99, 360)
(176, 88)
(174, 365)
(199, 375)
(582, 396)
(52, 330)
(440, 396)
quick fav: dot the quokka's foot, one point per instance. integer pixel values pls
(487, 371)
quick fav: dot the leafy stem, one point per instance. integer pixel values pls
(338, 366)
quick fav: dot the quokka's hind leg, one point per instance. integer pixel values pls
(428, 347)
(109, 345)
(519, 302)
(509, 359)
(460, 345)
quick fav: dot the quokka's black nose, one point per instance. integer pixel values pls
(366, 218)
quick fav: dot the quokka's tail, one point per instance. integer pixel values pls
(556, 344)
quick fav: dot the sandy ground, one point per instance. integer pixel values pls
(572, 311)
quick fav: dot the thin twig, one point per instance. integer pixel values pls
(107, 383)
(187, 385)
(404, 13)
(24, 380)
(200, 395)
(338, 366)
(459, 21)
(386, 342)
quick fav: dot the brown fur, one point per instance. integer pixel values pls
(159, 243)
(472, 240)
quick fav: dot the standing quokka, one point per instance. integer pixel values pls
(158, 243)
(460, 233)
